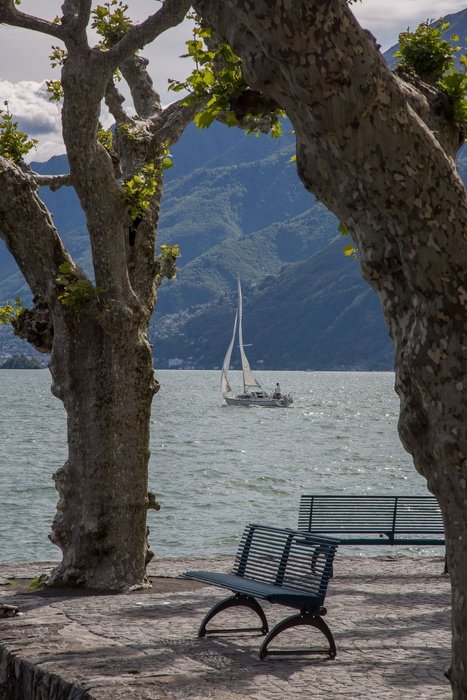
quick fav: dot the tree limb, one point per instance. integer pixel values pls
(35, 325)
(28, 230)
(114, 101)
(75, 19)
(54, 182)
(170, 15)
(174, 119)
(432, 105)
(9, 14)
(145, 99)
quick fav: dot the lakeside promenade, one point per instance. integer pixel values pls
(390, 617)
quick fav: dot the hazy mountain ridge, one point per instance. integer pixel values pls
(234, 204)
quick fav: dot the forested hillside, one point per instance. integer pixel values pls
(235, 205)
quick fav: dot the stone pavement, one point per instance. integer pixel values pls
(390, 617)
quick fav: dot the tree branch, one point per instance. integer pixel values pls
(145, 99)
(28, 230)
(54, 182)
(76, 12)
(9, 14)
(432, 105)
(173, 120)
(114, 101)
(75, 19)
(35, 325)
(170, 15)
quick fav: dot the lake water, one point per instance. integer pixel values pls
(214, 467)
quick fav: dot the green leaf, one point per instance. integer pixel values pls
(217, 79)
(204, 119)
(14, 143)
(350, 251)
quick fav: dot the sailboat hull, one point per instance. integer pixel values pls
(265, 401)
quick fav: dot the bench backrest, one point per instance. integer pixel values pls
(370, 514)
(286, 558)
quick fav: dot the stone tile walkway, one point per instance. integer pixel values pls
(390, 618)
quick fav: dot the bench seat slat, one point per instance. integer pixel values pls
(373, 520)
(258, 589)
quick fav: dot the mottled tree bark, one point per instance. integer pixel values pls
(380, 154)
(105, 379)
(101, 362)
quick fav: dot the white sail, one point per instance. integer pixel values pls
(225, 386)
(249, 379)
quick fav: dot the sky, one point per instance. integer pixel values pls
(24, 62)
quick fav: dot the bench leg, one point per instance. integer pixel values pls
(236, 600)
(304, 618)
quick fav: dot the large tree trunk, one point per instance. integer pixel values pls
(453, 503)
(379, 153)
(95, 325)
(102, 371)
(105, 379)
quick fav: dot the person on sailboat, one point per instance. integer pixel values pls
(277, 392)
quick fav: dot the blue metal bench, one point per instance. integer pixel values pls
(281, 566)
(374, 520)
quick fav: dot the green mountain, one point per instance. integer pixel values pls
(235, 205)
(314, 314)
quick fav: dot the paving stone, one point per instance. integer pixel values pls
(390, 617)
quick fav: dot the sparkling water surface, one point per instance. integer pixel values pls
(213, 467)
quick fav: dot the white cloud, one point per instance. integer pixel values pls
(36, 115)
(387, 18)
(24, 57)
(39, 118)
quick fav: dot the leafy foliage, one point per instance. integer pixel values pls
(166, 261)
(454, 84)
(10, 312)
(130, 131)
(429, 55)
(58, 56)
(105, 137)
(75, 291)
(111, 22)
(55, 90)
(54, 87)
(349, 249)
(425, 51)
(217, 79)
(139, 190)
(14, 143)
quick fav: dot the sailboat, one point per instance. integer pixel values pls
(253, 394)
